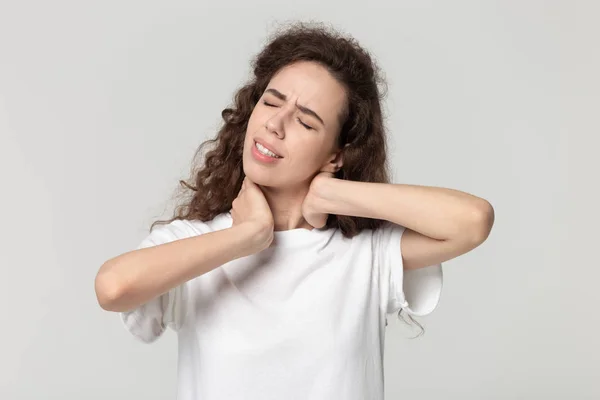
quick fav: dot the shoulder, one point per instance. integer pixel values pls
(182, 229)
(381, 235)
(366, 240)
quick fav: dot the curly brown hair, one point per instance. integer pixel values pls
(362, 137)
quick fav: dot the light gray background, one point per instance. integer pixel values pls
(102, 105)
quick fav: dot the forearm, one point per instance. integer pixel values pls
(435, 212)
(133, 278)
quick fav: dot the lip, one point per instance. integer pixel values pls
(269, 147)
(263, 158)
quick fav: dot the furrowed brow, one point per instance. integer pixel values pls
(303, 109)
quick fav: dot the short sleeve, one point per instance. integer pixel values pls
(416, 291)
(150, 320)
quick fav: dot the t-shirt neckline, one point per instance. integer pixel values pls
(293, 237)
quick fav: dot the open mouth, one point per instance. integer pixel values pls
(264, 151)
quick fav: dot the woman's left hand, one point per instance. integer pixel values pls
(312, 207)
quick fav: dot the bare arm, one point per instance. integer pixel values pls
(134, 278)
(441, 223)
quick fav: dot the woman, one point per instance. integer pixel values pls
(279, 272)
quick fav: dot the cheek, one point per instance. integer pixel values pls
(251, 128)
(306, 155)
(255, 118)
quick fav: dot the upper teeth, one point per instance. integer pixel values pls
(266, 151)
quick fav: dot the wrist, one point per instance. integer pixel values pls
(344, 197)
(325, 194)
(256, 236)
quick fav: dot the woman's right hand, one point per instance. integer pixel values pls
(250, 207)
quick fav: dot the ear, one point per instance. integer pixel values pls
(335, 163)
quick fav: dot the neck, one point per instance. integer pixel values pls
(286, 207)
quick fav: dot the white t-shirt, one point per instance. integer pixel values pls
(303, 319)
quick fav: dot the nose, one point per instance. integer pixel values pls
(274, 125)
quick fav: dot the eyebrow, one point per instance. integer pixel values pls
(304, 109)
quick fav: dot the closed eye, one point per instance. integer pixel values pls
(297, 119)
(310, 128)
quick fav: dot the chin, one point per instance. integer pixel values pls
(257, 174)
(262, 178)
(265, 176)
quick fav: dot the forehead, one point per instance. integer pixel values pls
(311, 85)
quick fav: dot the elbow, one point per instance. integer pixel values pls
(108, 290)
(482, 222)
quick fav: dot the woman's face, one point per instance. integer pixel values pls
(297, 118)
